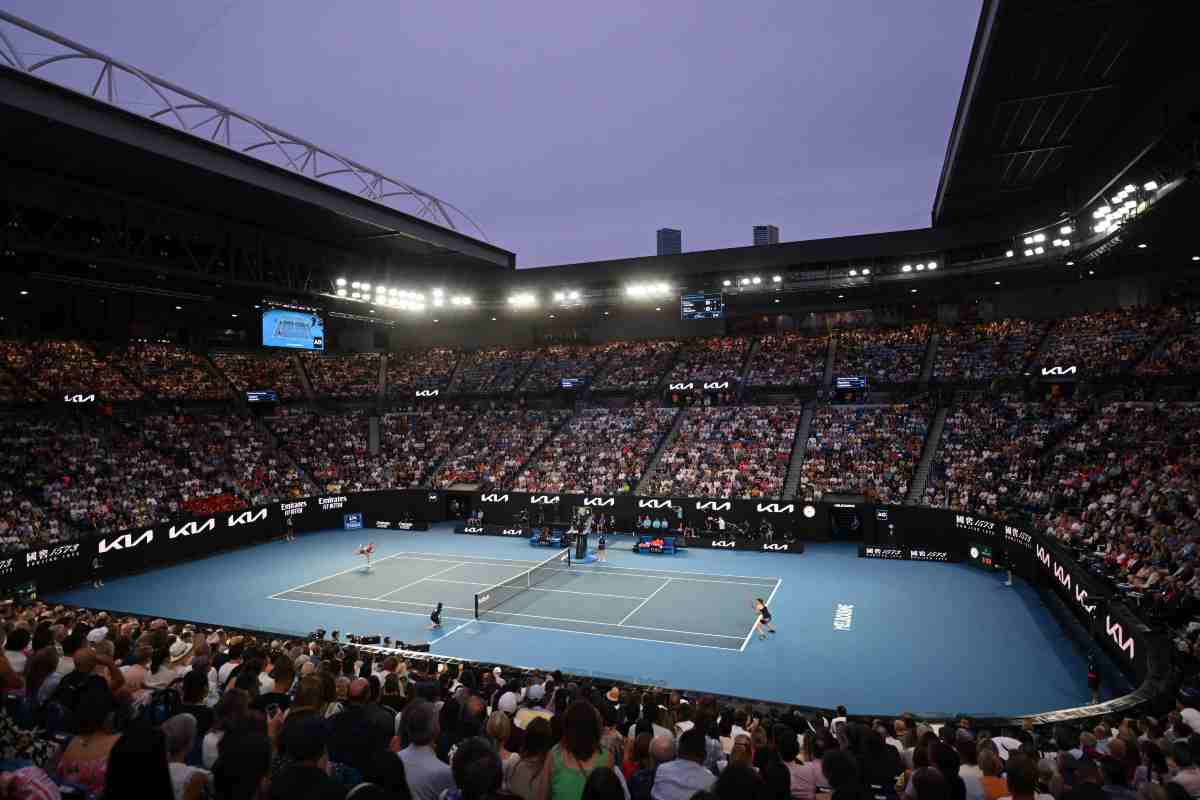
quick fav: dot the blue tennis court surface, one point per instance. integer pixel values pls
(875, 636)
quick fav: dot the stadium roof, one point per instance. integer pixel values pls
(82, 115)
(1060, 98)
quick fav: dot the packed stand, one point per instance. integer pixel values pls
(637, 365)
(493, 371)
(119, 706)
(331, 449)
(990, 448)
(413, 444)
(599, 451)
(496, 448)
(422, 369)
(890, 355)
(715, 358)
(171, 372)
(13, 391)
(869, 450)
(253, 372)
(566, 361)
(986, 350)
(348, 376)
(728, 452)
(227, 450)
(97, 477)
(25, 525)
(789, 359)
(1177, 356)
(56, 366)
(1107, 342)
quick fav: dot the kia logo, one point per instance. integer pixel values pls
(247, 517)
(681, 386)
(1059, 370)
(654, 503)
(191, 528)
(493, 498)
(126, 542)
(79, 398)
(598, 501)
(427, 392)
(775, 508)
(543, 499)
(712, 505)
(1117, 634)
(723, 543)
(472, 529)
(779, 547)
(717, 385)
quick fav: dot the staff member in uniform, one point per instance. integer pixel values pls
(602, 548)
(435, 618)
(97, 581)
(289, 533)
(764, 618)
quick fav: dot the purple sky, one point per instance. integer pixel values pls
(571, 131)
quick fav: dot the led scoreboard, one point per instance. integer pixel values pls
(702, 305)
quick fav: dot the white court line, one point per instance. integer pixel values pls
(529, 627)
(770, 597)
(451, 633)
(608, 569)
(516, 614)
(327, 577)
(538, 589)
(647, 600)
(450, 568)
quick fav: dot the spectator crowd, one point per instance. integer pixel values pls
(254, 372)
(986, 350)
(496, 448)
(346, 376)
(886, 355)
(1107, 342)
(789, 359)
(870, 450)
(495, 370)
(638, 365)
(171, 372)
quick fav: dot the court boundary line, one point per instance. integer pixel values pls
(639, 605)
(518, 625)
(770, 597)
(581, 567)
(514, 614)
(451, 633)
(450, 568)
(334, 575)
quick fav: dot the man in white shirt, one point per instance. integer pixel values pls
(426, 774)
(682, 778)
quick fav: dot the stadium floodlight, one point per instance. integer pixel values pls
(1065, 229)
(573, 295)
(1028, 240)
(341, 292)
(866, 271)
(341, 281)
(757, 280)
(1066, 243)
(1101, 227)
(1150, 186)
(1008, 253)
(914, 291)
(1028, 253)
(931, 266)
(920, 267)
(777, 279)
(995, 283)
(1142, 246)
(726, 282)
(1039, 238)
(1070, 263)
(841, 297)
(356, 285)
(523, 300)
(906, 268)
(853, 273)
(366, 287)
(559, 297)
(438, 292)
(1130, 188)
(746, 281)
(1195, 258)
(1039, 250)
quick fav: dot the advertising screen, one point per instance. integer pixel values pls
(298, 330)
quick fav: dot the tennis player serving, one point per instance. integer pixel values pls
(366, 551)
(764, 618)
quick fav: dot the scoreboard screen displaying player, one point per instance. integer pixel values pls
(702, 305)
(298, 330)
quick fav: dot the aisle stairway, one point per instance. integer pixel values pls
(829, 358)
(927, 364)
(933, 440)
(667, 441)
(298, 365)
(799, 447)
(744, 375)
(383, 359)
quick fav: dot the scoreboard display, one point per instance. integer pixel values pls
(702, 305)
(293, 329)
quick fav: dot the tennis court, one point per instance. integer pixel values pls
(665, 606)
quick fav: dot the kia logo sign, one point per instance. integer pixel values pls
(1117, 634)
(493, 498)
(246, 517)
(125, 542)
(512, 532)
(472, 529)
(654, 503)
(543, 499)
(782, 548)
(191, 528)
(723, 543)
(775, 508)
(79, 398)
(598, 501)
(712, 505)
(682, 386)
(428, 392)
(717, 385)
(1059, 370)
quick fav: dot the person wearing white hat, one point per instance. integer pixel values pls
(499, 680)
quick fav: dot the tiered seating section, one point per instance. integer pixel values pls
(413, 444)
(566, 361)
(788, 360)
(332, 450)
(352, 376)
(1107, 342)
(600, 451)
(421, 369)
(870, 450)
(251, 372)
(728, 452)
(170, 372)
(493, 371)
(986, 350)
(57, 367)
(717, 358)
(637, 366)
(496, 448)
(891, 356)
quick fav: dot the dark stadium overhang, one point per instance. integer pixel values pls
(50, 129)
(1060, 96)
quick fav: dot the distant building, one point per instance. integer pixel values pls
(766, 234)
(670, 242)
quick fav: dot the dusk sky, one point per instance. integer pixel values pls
(571, 131)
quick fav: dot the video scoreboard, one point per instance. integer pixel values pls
(702, 305)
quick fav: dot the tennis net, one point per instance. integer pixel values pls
(504, 591)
